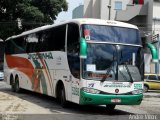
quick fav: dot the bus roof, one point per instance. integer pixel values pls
(103, 22)
(79, 22)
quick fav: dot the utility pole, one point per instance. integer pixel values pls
(109, 9)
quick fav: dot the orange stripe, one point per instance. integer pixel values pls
(21, 64)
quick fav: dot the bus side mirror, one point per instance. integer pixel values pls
(83, 48)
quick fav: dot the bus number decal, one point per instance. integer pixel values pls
(137, 86)
(75, 91)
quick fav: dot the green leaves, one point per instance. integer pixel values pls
(32, 13)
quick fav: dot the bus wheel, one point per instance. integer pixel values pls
(17, 88)
(110, 108)
(12, 84)
(63, 101)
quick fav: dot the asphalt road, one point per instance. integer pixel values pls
(31, 106)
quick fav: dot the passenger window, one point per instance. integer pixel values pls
(43, 44)
(32, 41)
(15, 46)
(56, 38)
(19, 45)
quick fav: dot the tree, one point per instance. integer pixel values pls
(31, 14)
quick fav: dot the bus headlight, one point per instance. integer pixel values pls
(139, 91)
(91, 90)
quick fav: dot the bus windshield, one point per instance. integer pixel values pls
(112, 61)
(111, 34)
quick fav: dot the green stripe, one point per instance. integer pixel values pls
(103, 99)
(40, 76)
(50, 78)
(48, 69)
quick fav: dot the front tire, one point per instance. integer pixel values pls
(63, 101)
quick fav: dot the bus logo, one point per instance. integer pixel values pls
(91, 85)
(116, 90)
(36, 56)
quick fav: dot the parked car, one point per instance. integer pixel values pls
(151, 82)
(1, 75)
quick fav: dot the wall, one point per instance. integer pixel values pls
(88, 8)
(156, 17)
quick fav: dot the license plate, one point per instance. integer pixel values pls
(115, 100)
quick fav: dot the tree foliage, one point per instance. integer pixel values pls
(32, 13)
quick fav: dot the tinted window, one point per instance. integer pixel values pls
(8, 47)
(73, 49)
(43, 41)
(111, 34)
(37, 42)
(56, 38)
(152, 77)
(46, 40)
(32, 41)
(15, 46)
(112, 62)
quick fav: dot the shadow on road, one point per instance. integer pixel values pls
(95, 110)
(51, 104)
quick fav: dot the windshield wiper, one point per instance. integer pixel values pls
(129, 73)
(104, 78)
(122, 74)
(112, 66)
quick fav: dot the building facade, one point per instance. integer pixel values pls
(122, 10)
(78, 12)
(143, 13)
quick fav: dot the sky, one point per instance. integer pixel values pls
(63, 16)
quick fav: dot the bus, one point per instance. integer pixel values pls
(84, 61)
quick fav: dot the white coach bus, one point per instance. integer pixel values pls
(84, 61)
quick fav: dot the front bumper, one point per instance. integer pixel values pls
(103, 99)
